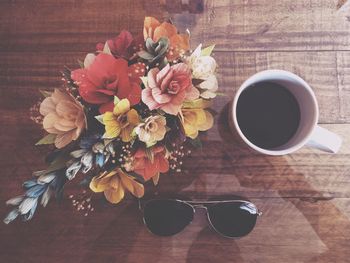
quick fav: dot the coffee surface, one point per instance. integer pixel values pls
(268, 114)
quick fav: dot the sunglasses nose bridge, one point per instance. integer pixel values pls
(199, 206)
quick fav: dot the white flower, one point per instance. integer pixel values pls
(151, 130)
(209, 87)
(203, 68)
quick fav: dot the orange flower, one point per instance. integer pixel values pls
(63, 116)
(150, 165)
(179, 43)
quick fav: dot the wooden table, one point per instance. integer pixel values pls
(305, 196)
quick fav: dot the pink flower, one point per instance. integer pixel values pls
(168, 88)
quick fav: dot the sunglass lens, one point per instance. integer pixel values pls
(233, 219)
(167, 217)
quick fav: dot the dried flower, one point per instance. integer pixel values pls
(41, 189)
(106, 77)
(150, 162)
(203, 68)
(64, 116)
(121, 121)
(155, 51)
(114, 184)
(194, 118)
(179, 43)
(93, 152)
(168, 88)
(152, 130)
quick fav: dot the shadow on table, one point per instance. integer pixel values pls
(287, 185)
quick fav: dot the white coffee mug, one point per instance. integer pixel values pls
(308, 131)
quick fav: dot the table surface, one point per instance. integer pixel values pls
(305, 196)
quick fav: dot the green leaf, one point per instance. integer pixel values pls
(145, 55)
(48, 139)
(106, 136)
(196, 142)
(116, 100)
(196, 82)
(161, 112)
(144, 81)
(149, 43)
(221, 94)
(149, 154)
(81, 63)
(196, 104)
(59, 162)
(150, 144)
(106, 49)
(99, 118)
(207, 51)
(39, 173)
(45, 93)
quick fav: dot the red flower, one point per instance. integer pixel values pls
(124, 45)
(145, 167)
(107, 77)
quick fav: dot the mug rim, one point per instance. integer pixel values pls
(293, 148)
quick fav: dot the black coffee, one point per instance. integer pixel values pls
(268, 114)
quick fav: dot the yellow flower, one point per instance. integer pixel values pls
(194, 118)
(114, 184)
(121, 121)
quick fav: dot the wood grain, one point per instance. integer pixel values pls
(304, 196)
(328, 73)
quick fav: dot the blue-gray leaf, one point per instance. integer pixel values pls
(73, 169)
(26, 205)
(30, 183)
(11, 216)
(36, 190)
(31, 212)
(15, 201)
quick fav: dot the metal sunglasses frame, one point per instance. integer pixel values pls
(201, 205)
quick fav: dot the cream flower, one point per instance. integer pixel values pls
(152, 130)
(203, 68)
(63, 116)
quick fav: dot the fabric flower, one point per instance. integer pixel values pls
(194, 118)
(114, 184)
(155, 51)
(94, 151)
(203, 68)
(63, 116)
(121, 121)
(125, 45)
(106, 77)
(179, 43)
(152, 130)
(147, 167)
(168, 88)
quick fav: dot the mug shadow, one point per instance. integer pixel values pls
(291, 186)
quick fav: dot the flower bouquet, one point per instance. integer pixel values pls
(123, 117)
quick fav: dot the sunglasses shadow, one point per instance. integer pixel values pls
(223, 249)
(119, 239)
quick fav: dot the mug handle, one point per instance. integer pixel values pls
(324, 140)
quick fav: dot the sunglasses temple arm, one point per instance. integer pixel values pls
(139, 203)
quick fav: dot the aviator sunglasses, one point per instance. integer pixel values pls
(231, 219)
